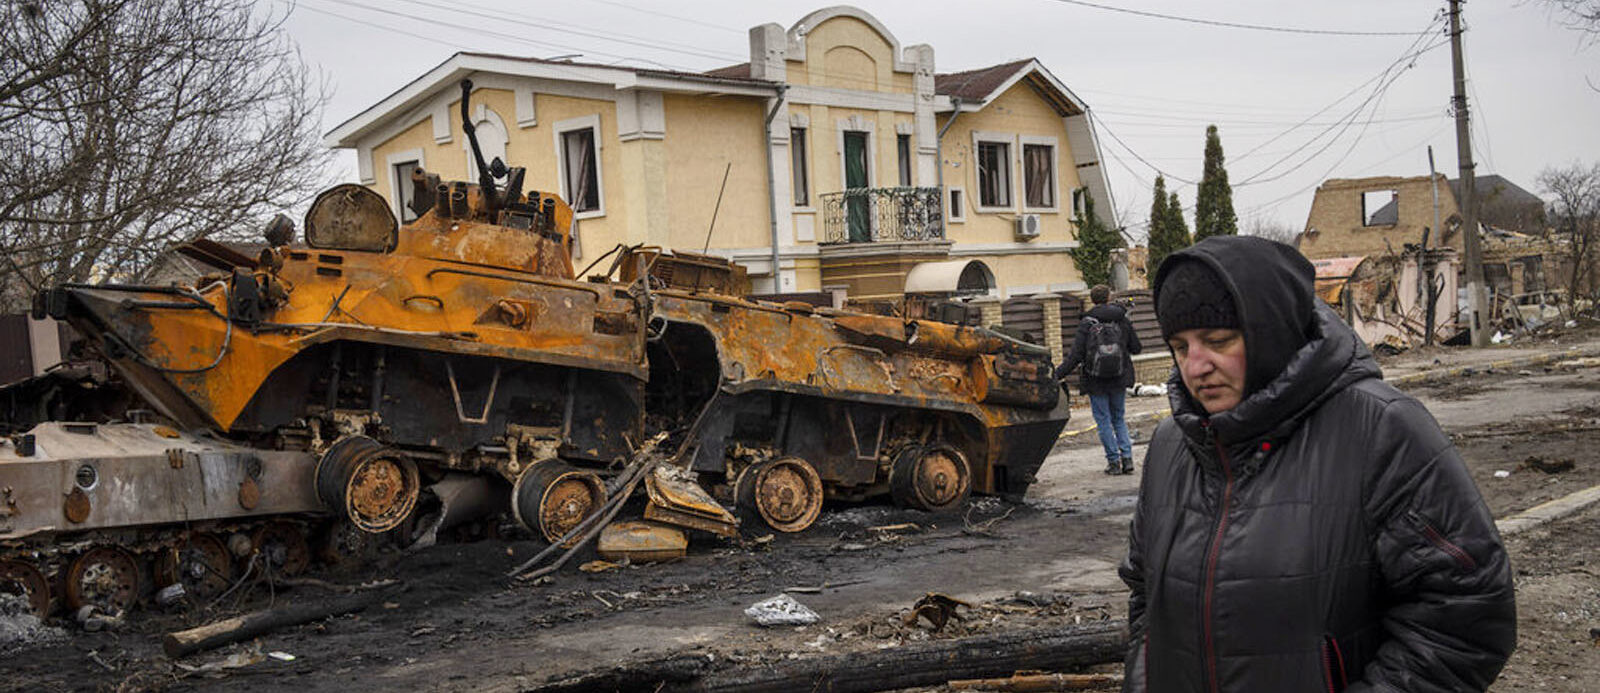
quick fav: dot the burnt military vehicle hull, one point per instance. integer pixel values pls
(459, 364)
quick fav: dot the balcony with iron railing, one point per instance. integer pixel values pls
(882, 215)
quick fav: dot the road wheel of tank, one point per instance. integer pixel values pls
(25, 580)
(375, 487)
(200, 562)
(786, 493)
(930, 477)
(106, 577)
(551, 497)
(281, 548)
(343, 545)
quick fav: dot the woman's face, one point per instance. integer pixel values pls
(1211, 361)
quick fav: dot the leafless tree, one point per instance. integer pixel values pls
(1270, 229)
(1574, 192)
(129, 125)
(1583, 15)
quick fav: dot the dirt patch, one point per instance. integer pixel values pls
(1558, 607)
(460, 623)
(1514, 472)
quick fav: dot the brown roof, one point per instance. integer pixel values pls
(740, 71)
(977, 85)
(714, 75)
(970, 85)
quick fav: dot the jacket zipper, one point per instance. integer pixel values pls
(1211, 566)
(1331, 656)
(1145, 653)
(1463, 560)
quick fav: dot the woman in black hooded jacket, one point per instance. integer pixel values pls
(1301, 524)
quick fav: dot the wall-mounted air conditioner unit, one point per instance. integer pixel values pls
(1027, 227)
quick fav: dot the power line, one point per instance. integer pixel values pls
(1384, 81)
(665, 15)
(476, 30)
(1189, 123)
(1403, 151)
(1204, 106)
(1234, 25)
(1409, 54)
(374, 25)
(625, 39)
(618, 38)
(1102, 123)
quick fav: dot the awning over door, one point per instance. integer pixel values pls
(961, 277)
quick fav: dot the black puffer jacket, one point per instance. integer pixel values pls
(1089, 384)
(1322, 535)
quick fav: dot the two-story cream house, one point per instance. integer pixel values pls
(842, 159)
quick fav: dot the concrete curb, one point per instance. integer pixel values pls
(1501, 365)
(1131, 419)
(1412, 378)
(1550, 511)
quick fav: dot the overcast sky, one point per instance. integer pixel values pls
(1293, 108)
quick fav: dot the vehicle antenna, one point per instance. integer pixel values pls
(485, 178)
(717, 208)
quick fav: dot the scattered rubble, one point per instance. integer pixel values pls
(781, 610)
(1541, 464)
(937, 609)
(19, 626)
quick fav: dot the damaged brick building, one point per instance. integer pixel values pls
(1390, 220)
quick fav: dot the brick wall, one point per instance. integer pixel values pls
(1336, 227)
(1152, 367)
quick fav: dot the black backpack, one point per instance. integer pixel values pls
(1103, 349)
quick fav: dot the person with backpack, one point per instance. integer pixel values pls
(1104, 346)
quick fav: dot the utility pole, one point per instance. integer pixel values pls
(1469, 196)
(1425, 265)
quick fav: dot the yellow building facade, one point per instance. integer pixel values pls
(842, 160)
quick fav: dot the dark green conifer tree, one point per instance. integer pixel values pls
(1213, 207)
(1095, 243)
(1163, 241)
(1171, 233)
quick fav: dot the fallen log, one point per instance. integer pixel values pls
(186, 642)
(928, 663)
(1040, 683)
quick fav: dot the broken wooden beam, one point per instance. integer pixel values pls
(928, 663)
(1040, 683)
(186, 642)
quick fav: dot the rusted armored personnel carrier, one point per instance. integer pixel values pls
(377, 367)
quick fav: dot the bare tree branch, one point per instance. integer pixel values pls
(1575, 213)
(127, 127)
(1582, 15)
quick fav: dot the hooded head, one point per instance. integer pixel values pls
(1263, 288)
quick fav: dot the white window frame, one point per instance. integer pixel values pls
(1012, 153)
(493, 138)
(569, 125)
(949, 214)
(855, 125)
(395, 190)
(1055, 171)
(805, 168)
(905, 167)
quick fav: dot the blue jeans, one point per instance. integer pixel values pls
(1107, 410)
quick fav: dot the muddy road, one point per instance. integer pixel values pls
(457, 622)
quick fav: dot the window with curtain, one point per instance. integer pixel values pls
(407, 191)
(797, 157)
(994, 174)
(1038, 175)
(578, 164)
(903, 145)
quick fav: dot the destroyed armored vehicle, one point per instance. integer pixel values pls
(459, 360)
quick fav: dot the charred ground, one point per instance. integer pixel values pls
(456, 621)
